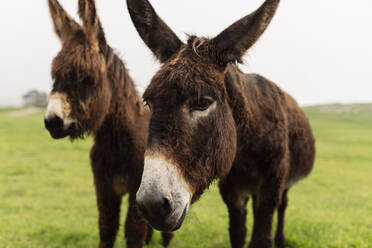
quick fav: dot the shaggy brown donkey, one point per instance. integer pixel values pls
(93, 93)
(211, 121)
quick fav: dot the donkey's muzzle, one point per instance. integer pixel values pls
(155, 210)
(56, 127)
(160, 214)
(163, 197)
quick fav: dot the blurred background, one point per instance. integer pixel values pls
(318, 51)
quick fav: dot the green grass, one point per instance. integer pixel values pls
(9, 109)
(47, 197)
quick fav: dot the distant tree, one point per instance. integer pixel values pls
(34, 98)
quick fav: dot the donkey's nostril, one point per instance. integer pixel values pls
(167, 208)
(53, 123)
(161, 208)
(157, 207)
(56, 128)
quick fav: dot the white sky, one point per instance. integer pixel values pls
(319, 50)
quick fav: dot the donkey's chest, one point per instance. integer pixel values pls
(117, 168)
(113, 172)
(120, 184)
(247, 176)
(120, 177)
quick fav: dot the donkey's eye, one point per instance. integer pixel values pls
(147, 103)
(202, 104)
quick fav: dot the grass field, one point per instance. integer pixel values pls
(47, 197)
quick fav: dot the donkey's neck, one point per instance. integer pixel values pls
(126, 108)
(240, 104)
(250, 96)
(256, 102)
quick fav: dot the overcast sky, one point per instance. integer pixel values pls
(319, 51)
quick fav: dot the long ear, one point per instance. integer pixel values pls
(162, 41)
(64, 25)
(234, 41)
(92, 25)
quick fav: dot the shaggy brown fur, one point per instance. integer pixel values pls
(257, 140)
(102, 98)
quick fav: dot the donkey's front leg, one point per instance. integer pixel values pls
(135, 225)
(265, 204)
(167, 238)
(109, 210)
(236, 204)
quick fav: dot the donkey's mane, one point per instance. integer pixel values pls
(126, 107)
(118, 72)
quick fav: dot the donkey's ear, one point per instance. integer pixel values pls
(234, 41)
(64, 25)
(92, 26)
(162, 41)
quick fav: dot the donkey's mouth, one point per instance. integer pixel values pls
(60, 134)
(59, 131)
(180, 221)
(169, 224)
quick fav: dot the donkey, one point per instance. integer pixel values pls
(94, 94)
(211, 121)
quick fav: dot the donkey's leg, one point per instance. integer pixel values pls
(265, 203)
(109, 210)
(236, 204)
(149, 233)
(135, 225)
(279, 236)
(167, 237)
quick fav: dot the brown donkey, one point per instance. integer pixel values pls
(93, 93)
(211, 121)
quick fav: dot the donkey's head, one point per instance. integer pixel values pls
(192, 138)
(81, 95)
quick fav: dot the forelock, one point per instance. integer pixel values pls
(78, 59)
(184, 76)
